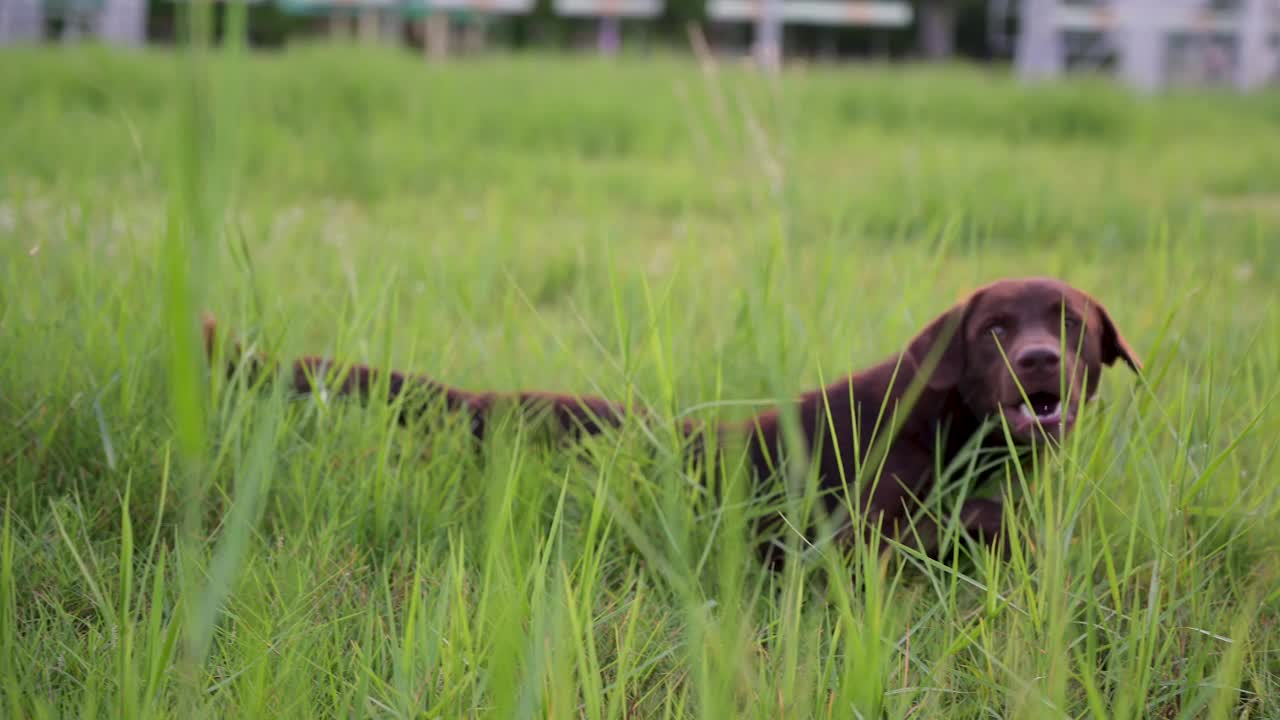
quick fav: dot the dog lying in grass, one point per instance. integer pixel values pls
(1013, 363)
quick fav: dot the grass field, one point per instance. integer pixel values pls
(173, 546)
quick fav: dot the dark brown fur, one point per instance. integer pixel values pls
(1031, 339)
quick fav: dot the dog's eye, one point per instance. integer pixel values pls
(1071, 323)
(996, 329)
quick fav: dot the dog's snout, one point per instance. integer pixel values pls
(1038, 357)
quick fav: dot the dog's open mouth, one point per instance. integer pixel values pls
(1042, 407)
(1042, 410)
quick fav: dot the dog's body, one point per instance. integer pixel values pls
(1027, 351)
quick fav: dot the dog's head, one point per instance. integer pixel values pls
(1030, 349)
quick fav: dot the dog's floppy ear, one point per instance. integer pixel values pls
(940, 347)
(1114, 346)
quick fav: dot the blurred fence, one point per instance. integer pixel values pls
(770, 16)
(444, 25)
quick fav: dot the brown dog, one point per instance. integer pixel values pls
(1025, 353)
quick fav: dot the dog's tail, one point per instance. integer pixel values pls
(417, 394)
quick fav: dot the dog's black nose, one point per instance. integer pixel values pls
(1038, 357)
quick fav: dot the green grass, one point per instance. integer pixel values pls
(172, 544)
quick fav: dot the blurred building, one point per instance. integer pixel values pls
(1152, 44)
(122, 22)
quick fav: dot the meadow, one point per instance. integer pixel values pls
(695, 237)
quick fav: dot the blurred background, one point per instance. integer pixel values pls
(1150, 44)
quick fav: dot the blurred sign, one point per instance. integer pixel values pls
(62, 8)
(608, 8)
(816, 12)
(323, 7)
(1167, 17)
(485, 7)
